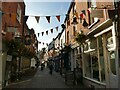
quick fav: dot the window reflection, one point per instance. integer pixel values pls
(112, 62)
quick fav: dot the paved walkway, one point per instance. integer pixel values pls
(42, 79)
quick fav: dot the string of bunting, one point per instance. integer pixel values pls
(43, 43)
(51, 30)
(48, 17)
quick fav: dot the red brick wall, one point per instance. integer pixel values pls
(10, 9)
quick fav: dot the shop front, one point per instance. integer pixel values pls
(100, 57)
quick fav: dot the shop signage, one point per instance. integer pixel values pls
(97, 13)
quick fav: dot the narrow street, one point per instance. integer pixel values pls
(42, 79)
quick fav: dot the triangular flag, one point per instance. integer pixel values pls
(48, 18)
(57, 28)
(38, 34)
(83, 11)
(51, 30)
(39, 42)
(46, 32)
(26, 18)
(37, 18)
(42, 33)
(58, 17)
(85, 24)
(82, 16)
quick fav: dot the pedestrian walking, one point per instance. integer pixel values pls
(42, 67)
(51, 68)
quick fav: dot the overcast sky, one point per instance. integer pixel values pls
(46, 9)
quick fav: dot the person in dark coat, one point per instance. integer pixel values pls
(51, 68)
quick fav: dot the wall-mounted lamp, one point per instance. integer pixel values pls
(74, 21)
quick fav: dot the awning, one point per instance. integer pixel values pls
(100, 28)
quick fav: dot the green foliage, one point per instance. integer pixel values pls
(17, 48)
(81, 38)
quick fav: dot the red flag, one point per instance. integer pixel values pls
(58, 17)
(48, 18)
(82, 16)
(42, 33)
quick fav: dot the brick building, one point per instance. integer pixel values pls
(97, 56)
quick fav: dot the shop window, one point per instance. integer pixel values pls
(91, 65)
(87, 65)
(109, 40)
(93, 44)
(101, 57)
(85, 46)
(110, 46)
(112, 62)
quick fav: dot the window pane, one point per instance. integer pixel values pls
(93, 44)
(95, 65)
(87, 63)
(112, 62)
(102, 64)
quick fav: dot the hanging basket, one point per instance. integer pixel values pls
(81, 38)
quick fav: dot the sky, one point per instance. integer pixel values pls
(43, 9)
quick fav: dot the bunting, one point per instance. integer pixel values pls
(48, 18)
(58, 17)
(26, 18)
(83, 11)
(42, 33)
(43, 43)
(56, 28)
(51, 30)
(37, 18)
(46, 32)
(38, 34)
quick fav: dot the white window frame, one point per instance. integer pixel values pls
(19, 13)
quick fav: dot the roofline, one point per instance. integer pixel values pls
(71, 4)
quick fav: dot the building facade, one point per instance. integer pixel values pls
(98, 55)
